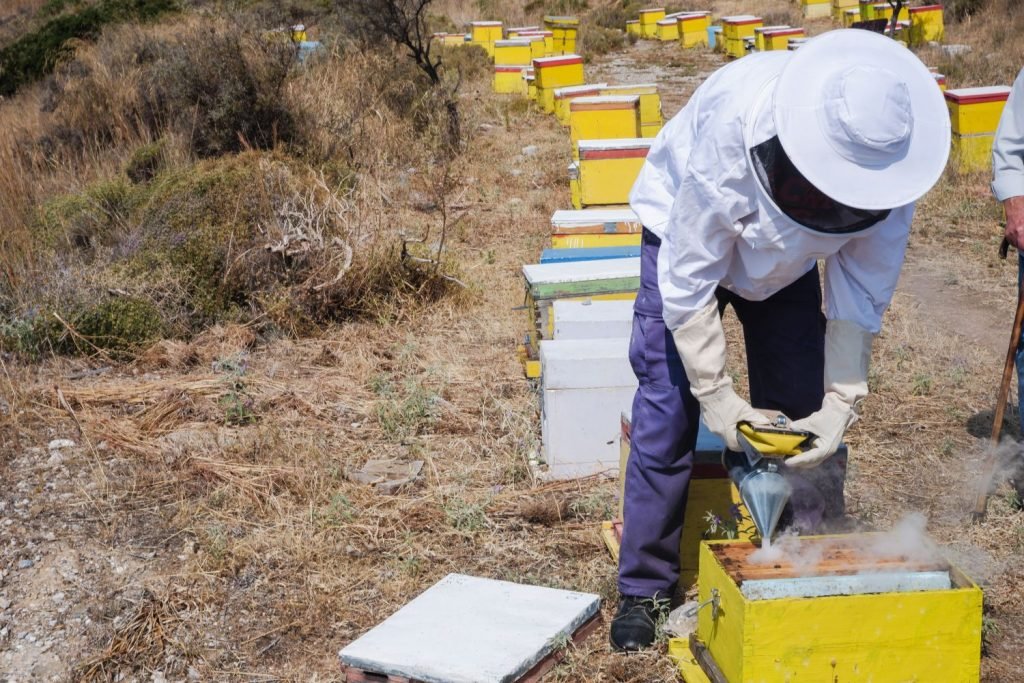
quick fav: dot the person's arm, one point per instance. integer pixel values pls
(1008, 163)
(860, 280)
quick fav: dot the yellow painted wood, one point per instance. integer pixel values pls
(595, 240)
(689, 669)
(649, 19)
(884, 638)
(867, 9)
(851, 16)
(610, 542)
(509, 82)
(883, 10)
(816, 10)
(970, 118)
(650, 101)
(485, 34)
(550, 77)
(973, 153)
(633, 27)
(575, 188)
(667, 30)
(780, 41)
(740, 27)
(926, 24)
(693, 29)
(608, 181)
(509, 53)
(622, 121)
(563, 99)
(735, 47)
(650, 130)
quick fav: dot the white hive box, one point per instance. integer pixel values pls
(586, 386)
(465, 629)
(592, 319)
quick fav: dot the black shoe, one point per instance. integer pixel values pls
(635, 625)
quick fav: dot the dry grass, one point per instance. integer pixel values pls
(211, 471)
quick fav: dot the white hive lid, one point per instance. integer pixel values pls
(570, 89)
(593, 216)
(615, 143)
(606, 99)
(581, 271)
(513, 42)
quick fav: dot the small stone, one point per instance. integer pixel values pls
(58, 444)
(57, 598)
(530, 150)
(25, 564)
(4, 602)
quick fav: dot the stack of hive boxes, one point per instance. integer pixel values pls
(693, 28)
(552, 73)
(510, 58)
(542, 42)
(738, 32)
(603, 117)
(649, 19)
(974, 114)
(778, 38)
(926, 25)
(515, 31)
(485, 34)
(564, 32)
(633, 28)
(606, 171)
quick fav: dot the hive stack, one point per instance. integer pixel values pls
(839, 8)
(738, 33)
(649, 19)
(603, 117)
(510, 58)
(552, 73)
(816, 9)
(485, 34)
(650, 105)
(778, 39)
(693, 28)
(564, 32)
(542, 42)
(974, 115)
(926, 25)
(563, 97)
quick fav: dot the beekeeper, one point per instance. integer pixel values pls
(1008, 188)
(779, 160)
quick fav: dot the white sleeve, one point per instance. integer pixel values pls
(861, 277)
(1008, 148)
(698, 246)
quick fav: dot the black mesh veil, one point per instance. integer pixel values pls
(803, 202)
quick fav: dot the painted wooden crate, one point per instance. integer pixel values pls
(693, 28)
(513, 32)
(651, 119)
(607, 170)
(514, 52)
(509, 80)
(588, 319)
(485, 34)
(737, 28)
(916, 630)
(667, 29)
(556, 72)
(779, 38)
(548, 38)
(649, 19)
(816, 9)
(926, 24)
(976, 110)
(603, 118)
(566, 255)
(564, 33)
(563, 96)
(595, 228)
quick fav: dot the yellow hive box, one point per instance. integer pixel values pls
(650, 104)
(667, 29)
(508, 79)
(531, 85)
(538, 46)
(564, 31)
(553, 73)
(693, 28)
(851, 16)
(883, 637)
(976, 110)
(735, 29)
(485, 34)
(883, 10)
(450, 39)
(867, 10)
(512, 53)
(926, 24)
(973, 153)
(839, 7)
(563, 96)
(759, 43)
(940, 80)
(779, 39)
(514, 32)
(816, 9)
(633, 27)
(711, 491)
(602, 118)
(649, 19)
(597, 240)
(607, 170)
(549, 42)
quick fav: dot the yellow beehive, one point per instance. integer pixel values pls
(564, 31)
(556, 72)
(563, 96)
(508, 79)
(940, 80)
(882, 636)
(779, 39)
(607, 170)
(839, 7)
(693, 28)
(595, 228)
(851, 16)
(512, 53)
(649, 19)
(973, 153)
(735, 29)
(538, 45)
(633, 27)
(711, 491)
(514, 32)
(883, 10)
(603, 118)
(976, 110)
(667, 29)
(650, 105)
(816, 9)
(926, 24)
(485, 34)
(759, 42)
(867, 10)
(299, 33)
(548, 38)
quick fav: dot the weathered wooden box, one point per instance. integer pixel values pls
(572, 229)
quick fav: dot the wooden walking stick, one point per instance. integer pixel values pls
(981, 502)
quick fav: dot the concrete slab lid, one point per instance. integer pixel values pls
(512, 42)
(577, 271)
(557, 60)
(615, 143)
(990, 93)
(466, 629)
(559, 93)
(739, 18)
(593, 216)
(585, 363)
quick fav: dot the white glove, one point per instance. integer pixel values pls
(701, 344)
(847, 356)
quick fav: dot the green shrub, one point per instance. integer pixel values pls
(596, 41)
(145, 162)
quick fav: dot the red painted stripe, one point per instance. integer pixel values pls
(632, 153)
(507, 69)
(975, 99)
(565, 61)
(925, 8)
(745, 22)
(784, 32)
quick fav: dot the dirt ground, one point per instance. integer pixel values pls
(144, 537)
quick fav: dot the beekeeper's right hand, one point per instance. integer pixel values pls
(701, 344)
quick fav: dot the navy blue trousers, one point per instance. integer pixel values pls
(785, 345)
